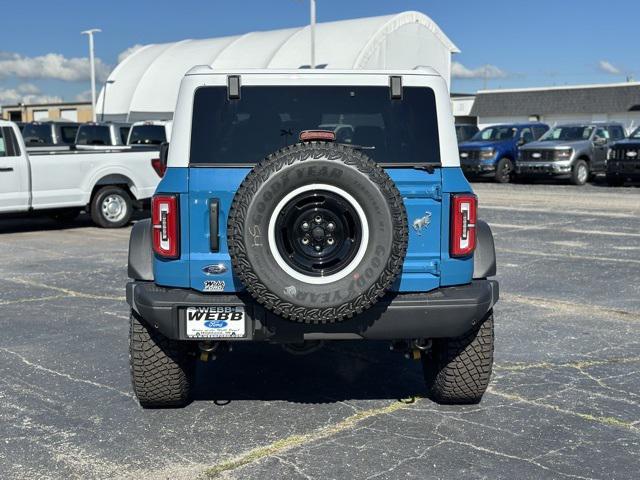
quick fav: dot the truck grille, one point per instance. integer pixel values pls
(532, 155)
(622, 153)
(470, 155)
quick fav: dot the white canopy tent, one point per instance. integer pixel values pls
(144, 86)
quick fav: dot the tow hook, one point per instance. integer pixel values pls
(211, 350)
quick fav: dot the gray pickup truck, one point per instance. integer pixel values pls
(574, 152)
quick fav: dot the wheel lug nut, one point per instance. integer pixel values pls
(331, 226)
(305, 241)
(304, 226)
(330, 241)
(318, 248)
(318, 219)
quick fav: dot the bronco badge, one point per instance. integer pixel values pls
(421, 223)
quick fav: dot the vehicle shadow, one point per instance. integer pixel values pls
(43, 223)
(342, 370)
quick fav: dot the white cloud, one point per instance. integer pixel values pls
(607, 67)
(129, 51)
(51, 65)
(28, 88)
(25, 93)
(458, 70)
(84, 96)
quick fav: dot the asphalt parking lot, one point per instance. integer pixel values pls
(564, 400)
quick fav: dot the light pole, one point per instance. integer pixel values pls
(104, 96)
(312, 22)
(90, 33)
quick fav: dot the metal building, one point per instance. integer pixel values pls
(619, 102)
(145, 85)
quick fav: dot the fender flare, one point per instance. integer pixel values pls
(484, 258)
(140, 265)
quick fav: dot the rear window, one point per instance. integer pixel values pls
(68, 134)
(93, 135)
(147, 135)
(265, 119)
(37, 134)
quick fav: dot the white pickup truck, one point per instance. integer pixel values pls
(108, 184)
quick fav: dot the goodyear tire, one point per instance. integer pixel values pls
(317, 232)
(162, 369)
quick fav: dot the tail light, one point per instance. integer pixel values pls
(166, 226)
(463, 225)
(158, 166)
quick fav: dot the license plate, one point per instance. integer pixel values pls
(216, 322)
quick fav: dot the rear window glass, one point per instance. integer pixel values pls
(496, 133)
(93, 135)
(37, 135)
(147, 135)
(265, 119)
(68, 134)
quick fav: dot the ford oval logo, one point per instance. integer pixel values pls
(215, 324)
(214, 269)
(632, 154)
(536, 155)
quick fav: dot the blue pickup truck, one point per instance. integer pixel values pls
(493, 151)
(305, 206)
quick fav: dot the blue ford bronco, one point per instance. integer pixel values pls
(300, 207)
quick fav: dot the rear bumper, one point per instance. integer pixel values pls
(444, 312)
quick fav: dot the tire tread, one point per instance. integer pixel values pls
(161, 368)
(458, 370)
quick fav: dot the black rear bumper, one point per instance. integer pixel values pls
(445, 312)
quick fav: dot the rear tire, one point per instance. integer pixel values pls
(458, 370)
(580, 173)
(111, 207)
(162, 369)
(504, 170)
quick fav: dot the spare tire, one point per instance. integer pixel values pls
(317, 232)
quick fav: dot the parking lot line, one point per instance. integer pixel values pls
(294, 441)
(608, 421)
(569, 256)
(548, 211)
(600, 232)
(50, 371)
(574, 307)
(72, 293)
(31, 299)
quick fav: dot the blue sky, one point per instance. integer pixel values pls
(545, 42)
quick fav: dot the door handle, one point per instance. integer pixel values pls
(6, 169)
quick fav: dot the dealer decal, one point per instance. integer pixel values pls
(213, 286)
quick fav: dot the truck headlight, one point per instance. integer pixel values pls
(564, 154)
(487, 154)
